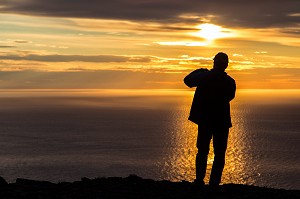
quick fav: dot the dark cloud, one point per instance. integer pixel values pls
(88, 79)
(244, 13)
(291, 31)
(21, 41)
(74, 58)
(81, 78)
(7, 46)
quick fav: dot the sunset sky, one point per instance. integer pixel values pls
(147, 43)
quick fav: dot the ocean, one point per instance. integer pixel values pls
(63, 135)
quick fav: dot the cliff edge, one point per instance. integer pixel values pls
(134, 187)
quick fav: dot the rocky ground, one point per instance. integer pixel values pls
(134, 187)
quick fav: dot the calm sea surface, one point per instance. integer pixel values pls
(63, 135)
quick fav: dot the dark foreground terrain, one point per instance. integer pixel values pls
(134, 187)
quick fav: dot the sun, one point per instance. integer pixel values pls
(210, 32)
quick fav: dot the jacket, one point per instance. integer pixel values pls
(211, 102)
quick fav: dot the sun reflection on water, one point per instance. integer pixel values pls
(179, 163)
(262, 144)
(235, 168)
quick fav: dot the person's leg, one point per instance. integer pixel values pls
(220, 137)
(203, 141)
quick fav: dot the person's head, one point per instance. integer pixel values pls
(220, 61)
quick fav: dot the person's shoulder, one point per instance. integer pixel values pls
(229, 77)
(231, 81)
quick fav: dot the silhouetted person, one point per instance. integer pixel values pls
(211, 111)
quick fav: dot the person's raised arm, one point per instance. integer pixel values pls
(193, 79)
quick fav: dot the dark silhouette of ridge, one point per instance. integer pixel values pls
(134, 187)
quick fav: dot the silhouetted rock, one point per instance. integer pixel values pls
(26, 182)
(3, 182)
(134, 187)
